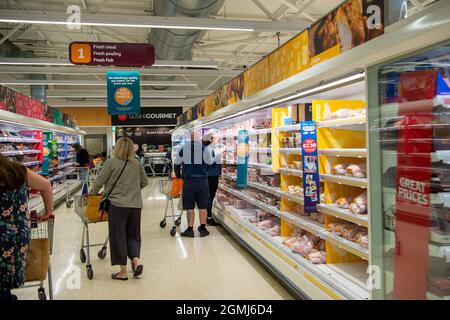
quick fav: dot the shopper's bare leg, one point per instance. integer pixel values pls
(191, 218)
(203, 215)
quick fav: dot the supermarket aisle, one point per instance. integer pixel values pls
(175, 268)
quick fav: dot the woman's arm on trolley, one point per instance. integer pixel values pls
(37, 182)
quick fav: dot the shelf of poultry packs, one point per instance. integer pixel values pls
(291, 172)
(261, 150)
(414, 106)
(300, 221)
(390, 157)
(345, 214)
(350, 181)
(289, 128)
(252, 132)
(59, 195)
(273, 210)
(317, 281)
(19, 152)
(352, 123)
(347, 245)
(252, 164)
(341, 152)
(290, 150)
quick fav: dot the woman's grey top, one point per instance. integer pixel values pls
(127, 192)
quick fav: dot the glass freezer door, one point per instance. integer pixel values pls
(409, 143)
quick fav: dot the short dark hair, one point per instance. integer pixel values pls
(77, 147)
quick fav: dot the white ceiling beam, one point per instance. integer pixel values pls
(92, 83)
(264, 9)
(11, 33)
(302, 10)
(82, 70)
(60, 18)
(298, 9)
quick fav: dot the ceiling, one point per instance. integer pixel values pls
(230, 51)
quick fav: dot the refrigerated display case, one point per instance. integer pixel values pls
(409, 116)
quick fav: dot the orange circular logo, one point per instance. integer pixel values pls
(123, 96)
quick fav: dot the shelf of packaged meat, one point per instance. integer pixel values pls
(335, 281)
(291, 172)
(352, 123)
(389, 109)
(347, 245)
(261, 150)
(345, 214)
(341, 152)
(273, 210)
(390, 157)
(260, 165)
(272, 190)
(292, 197)
(19, 152)
(289, 128)
(302, 222)
(290, 150)
(19, 140)
(350, 181)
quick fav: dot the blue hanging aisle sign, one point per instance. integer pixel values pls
(242, 151)
(310, 164)
(45, 168)
(124, 96)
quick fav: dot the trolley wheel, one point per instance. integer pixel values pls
(178, 222)
(102, 253)
(82, 256)
(89, 272)
(173, 231)
(41, 294)
(69, 203)
(162, 224)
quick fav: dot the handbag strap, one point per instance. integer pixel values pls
(120, 174)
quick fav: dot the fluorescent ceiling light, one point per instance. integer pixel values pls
(108, 24)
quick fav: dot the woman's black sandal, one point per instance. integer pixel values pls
(114, 277)
(138, 270)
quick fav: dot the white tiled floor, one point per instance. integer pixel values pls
(215, 267)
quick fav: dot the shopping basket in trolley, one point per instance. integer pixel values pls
(87, 208)
(172, 190)
(37, 261)
(79, 174)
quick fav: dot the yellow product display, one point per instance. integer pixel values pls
(326, 55)
(278, 114)
(209, 104)
(332, 138)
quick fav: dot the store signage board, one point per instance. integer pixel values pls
(112, 54)
(46, 150)
(123, 89)
(242, 159)
(149, 117)
(310, 166)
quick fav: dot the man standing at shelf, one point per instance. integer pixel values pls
(191, 164)
(211, 139)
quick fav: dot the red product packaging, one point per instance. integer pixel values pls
(417, 85)
(22, 104)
